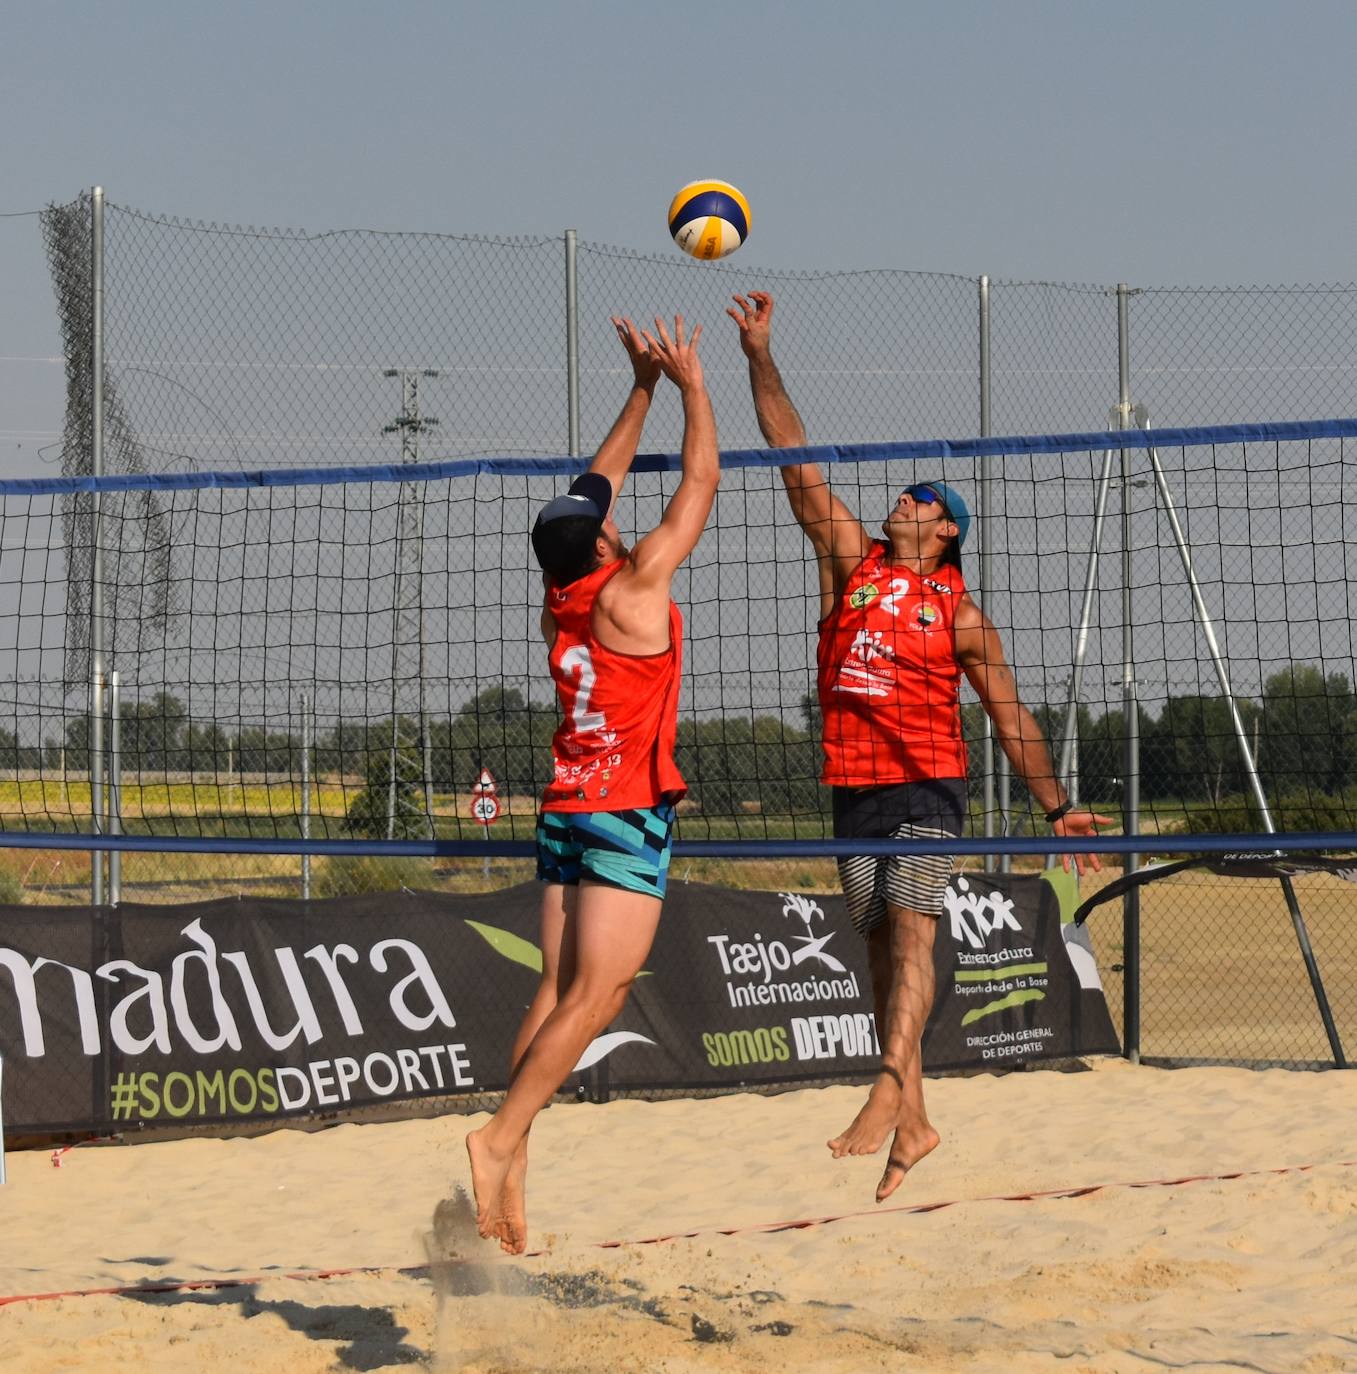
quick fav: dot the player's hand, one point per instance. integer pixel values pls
(677, 356)
(644, 366)
(755, 319)
(1080, 823)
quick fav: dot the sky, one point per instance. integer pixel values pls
(1157, 143)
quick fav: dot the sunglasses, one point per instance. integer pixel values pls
(927, 496)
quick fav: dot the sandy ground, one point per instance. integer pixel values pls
(1255, 1272)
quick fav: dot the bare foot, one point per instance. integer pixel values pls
(511, 1216)
(913, 1140)
(872, 1124)
(488, 1172)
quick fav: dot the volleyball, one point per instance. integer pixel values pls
(709, 219)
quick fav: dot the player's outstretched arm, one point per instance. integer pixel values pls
(657, 556)
(779, 420)
(980, 652)
(836, 534)
(617, 451)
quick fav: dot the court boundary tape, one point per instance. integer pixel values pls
(1080, 1190)
(754, 1228)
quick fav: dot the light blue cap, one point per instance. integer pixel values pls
(956, 508)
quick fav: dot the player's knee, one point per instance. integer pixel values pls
(602, 997)
(615, 998)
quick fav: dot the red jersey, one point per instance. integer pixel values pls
(889, 679)
(614, 751)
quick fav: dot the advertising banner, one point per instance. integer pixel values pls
(237, 1010)
(1015, 982)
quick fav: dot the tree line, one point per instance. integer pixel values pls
(1302, 730)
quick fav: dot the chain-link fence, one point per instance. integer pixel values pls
(344, 658)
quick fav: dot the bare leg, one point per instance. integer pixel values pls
(879, 1115)
(908, 947)
(558, 968)
(613, 934)
(900, 954)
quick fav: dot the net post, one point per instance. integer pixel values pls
(986, 527)
(1130, 918)
(572, 345)
(394, 763)
(114, 794)
(306, 795)
(96, 714)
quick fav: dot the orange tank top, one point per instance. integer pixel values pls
(889, 680)
(614, 751)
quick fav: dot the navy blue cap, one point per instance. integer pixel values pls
(590, 494)
(560, 545)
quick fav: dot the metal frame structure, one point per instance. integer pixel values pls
(1125, 415)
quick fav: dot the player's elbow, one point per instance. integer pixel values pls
(700, 482)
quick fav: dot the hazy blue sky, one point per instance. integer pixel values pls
(1170, 142)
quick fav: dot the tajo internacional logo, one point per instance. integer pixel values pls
(754, 969)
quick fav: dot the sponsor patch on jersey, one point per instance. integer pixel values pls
(865, 593)
(926, 616)
(938, 586)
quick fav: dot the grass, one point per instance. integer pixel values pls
(258, 809)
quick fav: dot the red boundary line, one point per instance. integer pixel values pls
(755, 1228)
(772, 1227)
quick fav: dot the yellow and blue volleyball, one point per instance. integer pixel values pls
(709, 219)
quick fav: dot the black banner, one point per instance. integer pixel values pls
(255, 1010)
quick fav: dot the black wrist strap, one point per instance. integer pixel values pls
(1062, 810)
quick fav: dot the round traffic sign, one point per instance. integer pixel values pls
(485, 809)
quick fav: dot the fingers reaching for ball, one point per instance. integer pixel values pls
(676, 354)
(644, 364)
(754, 318)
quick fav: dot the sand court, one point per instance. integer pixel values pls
(1257, 1270)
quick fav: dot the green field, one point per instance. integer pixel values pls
(258, 810)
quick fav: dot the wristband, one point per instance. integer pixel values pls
(1061, 811)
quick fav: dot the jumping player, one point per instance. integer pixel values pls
(897, 631)
(603, 836)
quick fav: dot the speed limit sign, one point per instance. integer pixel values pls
(485, 808)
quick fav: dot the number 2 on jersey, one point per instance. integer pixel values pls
(577, 658)
(899, 586)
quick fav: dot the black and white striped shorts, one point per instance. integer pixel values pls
(919, 810)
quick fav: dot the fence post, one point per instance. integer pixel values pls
(987, 526)
(96, 716)
(572, 345)
(1130, 911)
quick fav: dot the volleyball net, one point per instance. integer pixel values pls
(354, 653)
